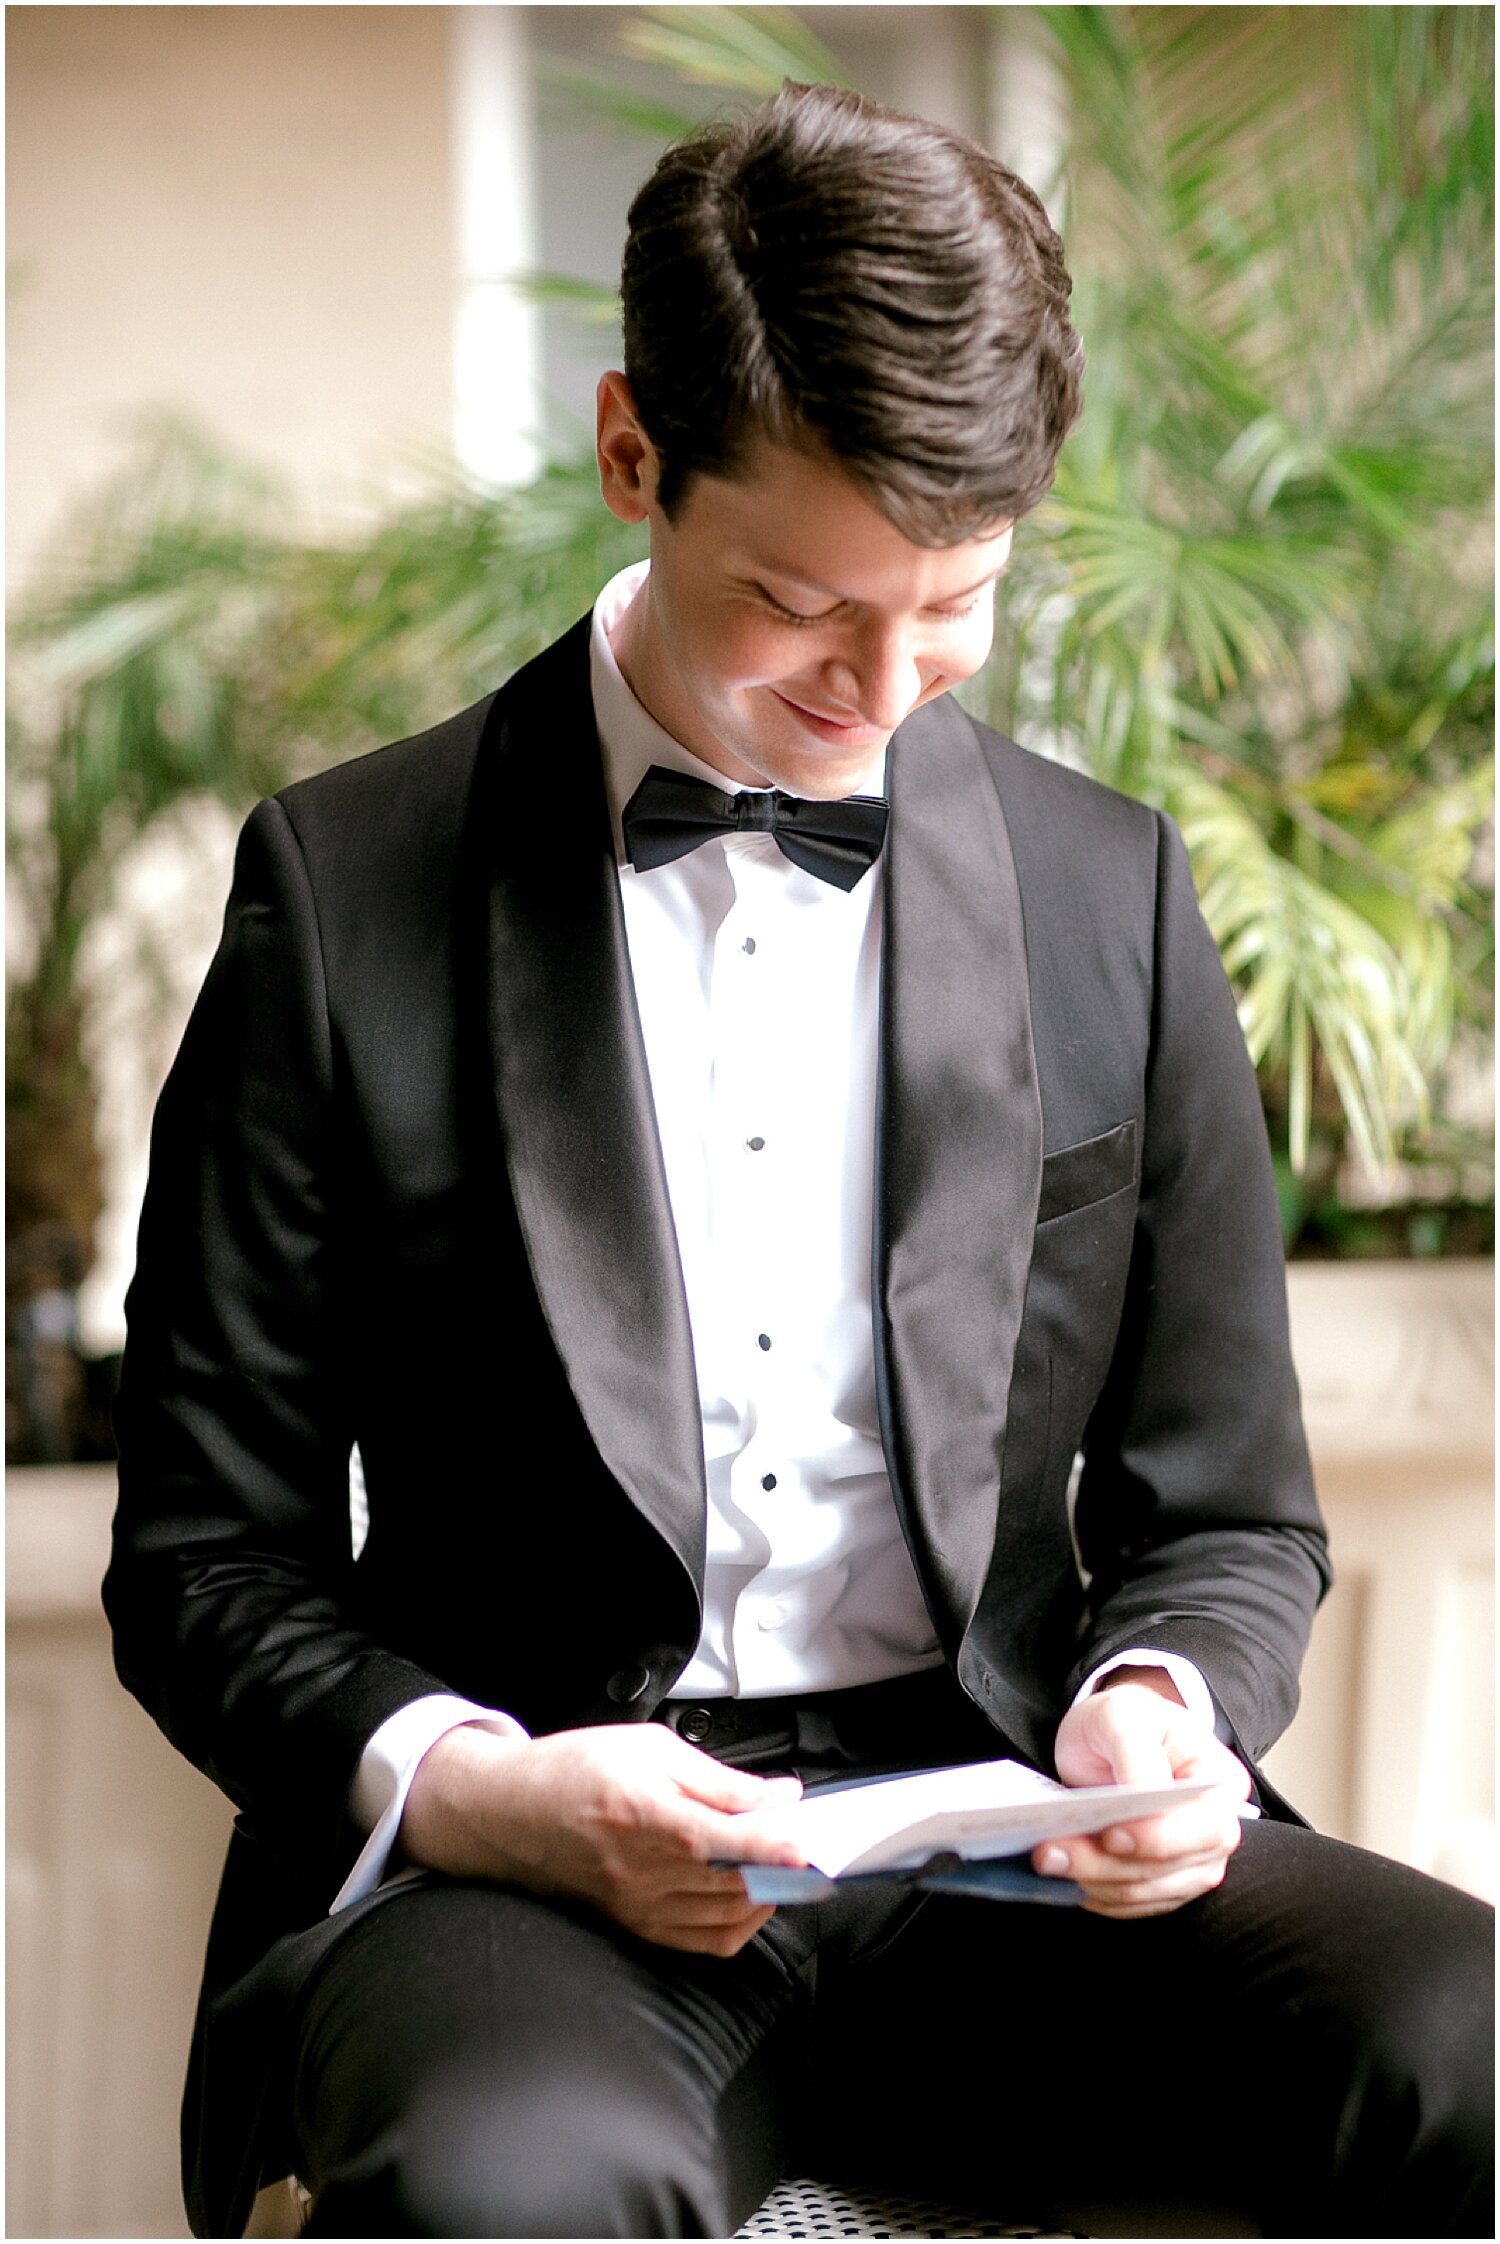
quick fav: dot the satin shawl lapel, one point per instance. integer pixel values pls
(959, 1146)
(574, 1098)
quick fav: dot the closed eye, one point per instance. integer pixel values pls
(943, 615)
(792, 615)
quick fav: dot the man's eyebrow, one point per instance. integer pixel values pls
(830, 592)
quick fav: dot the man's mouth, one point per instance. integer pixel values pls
(838, 732)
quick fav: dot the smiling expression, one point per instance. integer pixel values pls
(786, 628)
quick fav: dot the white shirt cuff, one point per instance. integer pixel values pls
(1186, 1681)
(377, 1798)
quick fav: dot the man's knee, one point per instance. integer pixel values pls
(570, 2160)
(1427, 2016)
(1407, 2047)
(1436, 2046)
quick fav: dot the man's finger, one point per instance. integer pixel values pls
(1092, 1868)
(1174, 1881)
(711, 1837)
(1192, 1829)
(698, 1776)
(707, 1940)
(683, 1879)
(705, 1909)
(1155, 1897)
(1090, 1863)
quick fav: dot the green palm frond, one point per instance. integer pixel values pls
(1228, 601)
(443, 603)
(591, 302)
(1433, 841)
(179, 646)
(1426, 156)
(603, 96)
(1430, 850)
(1308, 969)
(743, 50)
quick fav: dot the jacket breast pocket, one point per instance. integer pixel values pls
(1076, 1175)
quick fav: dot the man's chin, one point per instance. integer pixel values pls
(800, 763)
(820, 783)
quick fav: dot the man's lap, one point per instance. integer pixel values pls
(1299, 2044)
(1309, 2047)
(475, 2060)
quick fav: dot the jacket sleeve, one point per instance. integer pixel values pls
(1196, 1514)
(229, 1585)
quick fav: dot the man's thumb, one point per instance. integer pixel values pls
(1132, 1740)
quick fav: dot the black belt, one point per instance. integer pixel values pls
(904, 1722)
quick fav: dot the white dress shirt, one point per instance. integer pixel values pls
(758, 989)
(759, 994)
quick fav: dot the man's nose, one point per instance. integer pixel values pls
(879, 677)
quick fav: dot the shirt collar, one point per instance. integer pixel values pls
(630, 739)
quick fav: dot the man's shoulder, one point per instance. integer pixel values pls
(414, 797)
(1037, 787)
(426, 772)
(1063, 824)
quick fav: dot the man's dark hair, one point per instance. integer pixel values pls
(833, 275)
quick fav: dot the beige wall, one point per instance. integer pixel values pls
(239, 212)
(243, 214)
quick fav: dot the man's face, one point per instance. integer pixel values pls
(786, 628)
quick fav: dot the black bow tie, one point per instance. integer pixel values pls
(670, 814)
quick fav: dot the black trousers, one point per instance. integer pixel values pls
(1307, 2051)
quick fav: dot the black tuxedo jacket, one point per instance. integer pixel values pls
(406, 1190)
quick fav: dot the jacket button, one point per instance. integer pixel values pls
(627, 1684)
(695, 1725)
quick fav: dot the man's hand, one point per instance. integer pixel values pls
(627, 1818)
(1137, 1731)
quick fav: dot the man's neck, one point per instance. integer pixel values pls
(635, 642)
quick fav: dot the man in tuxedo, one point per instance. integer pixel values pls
(555, 1073)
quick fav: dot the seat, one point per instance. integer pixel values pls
(807, 2208)
(794, 2208)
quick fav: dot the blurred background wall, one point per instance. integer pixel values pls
(239, 213)
(295, 466)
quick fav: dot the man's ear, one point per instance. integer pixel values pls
(628, 464)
